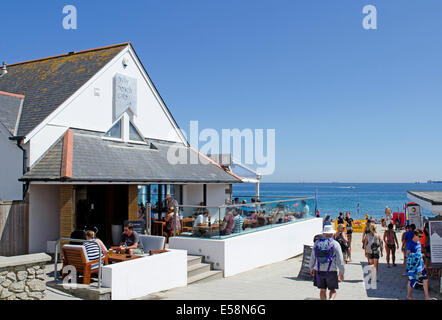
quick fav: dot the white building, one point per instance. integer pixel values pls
(82, 131)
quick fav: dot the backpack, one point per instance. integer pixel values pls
(342, 243)
(324, 253)
(372, 244)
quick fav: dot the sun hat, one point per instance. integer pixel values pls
(328, 229)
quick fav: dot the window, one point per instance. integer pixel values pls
(115, 131)
(133, 133)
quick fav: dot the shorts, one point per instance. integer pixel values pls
(326, 281)
(374, 255)
(418, 279)
(391, 246)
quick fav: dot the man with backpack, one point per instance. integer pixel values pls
(325, 261)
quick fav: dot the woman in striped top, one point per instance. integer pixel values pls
(92, 250)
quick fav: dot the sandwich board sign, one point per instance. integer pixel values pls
(435, 230)
(414, 215)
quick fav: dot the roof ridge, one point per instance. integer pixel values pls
(15, 95)
(70, 53)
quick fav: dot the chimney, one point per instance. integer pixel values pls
(3, 70)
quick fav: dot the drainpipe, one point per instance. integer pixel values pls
(19, 140)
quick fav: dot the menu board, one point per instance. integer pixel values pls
(414, 216)
(436, 241)
(139, 226)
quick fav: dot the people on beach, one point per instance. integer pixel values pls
(388, 216)
(407, 237)
(426, 248)
(391, 244)
(327, 220)
(415, 268)
(341, 218)
(373, 249)
(364, 235)
(325, 261)
(342, 239)
(349, 222)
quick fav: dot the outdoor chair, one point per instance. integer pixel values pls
(152, 243)
(75, 255)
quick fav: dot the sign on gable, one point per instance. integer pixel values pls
(125, 95)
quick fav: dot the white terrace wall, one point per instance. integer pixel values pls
(44, 216)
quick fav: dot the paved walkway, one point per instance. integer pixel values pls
(279, 282)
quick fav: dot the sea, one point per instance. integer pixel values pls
(357, 198)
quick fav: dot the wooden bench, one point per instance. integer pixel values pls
(75, 255)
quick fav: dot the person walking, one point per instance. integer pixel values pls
(325, 261)
(373, 247)
(415, 267)
(349, 221)
(364, 235)
(342, 239)
(341, 218)
(391, 244)
(407, 237)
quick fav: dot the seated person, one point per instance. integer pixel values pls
(278, 216)
(129, 239)
(228, 222)
(305, 210)
(170, 225)
(238, 222)
(92, 251)
(202, 219)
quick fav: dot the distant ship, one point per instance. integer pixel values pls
(433, 181)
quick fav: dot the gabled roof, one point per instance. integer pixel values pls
(46, 83)
(94, 159)
(10, 108)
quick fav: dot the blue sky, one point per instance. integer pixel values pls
(347, 104)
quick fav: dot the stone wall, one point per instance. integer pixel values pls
(23, 277)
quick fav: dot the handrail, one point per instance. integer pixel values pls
(248, 204)
(57, 245)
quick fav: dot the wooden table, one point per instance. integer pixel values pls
(158, 226)
(120, 257)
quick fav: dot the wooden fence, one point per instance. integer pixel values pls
(14, 228)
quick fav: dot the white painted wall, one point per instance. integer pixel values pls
(216, 195)
(44, 139)
(252, 250)
(192, 194)
(140, 277)
(44, 216)
(86, 110)
(11, 168)
(91, 112)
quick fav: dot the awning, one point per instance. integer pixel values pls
(430, 200)
(94, 159)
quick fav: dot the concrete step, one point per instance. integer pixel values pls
(196, 269)
(205, 277)
(192, 260)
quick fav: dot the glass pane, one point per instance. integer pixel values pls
(234, 220)
(133, 134)
(115, 131)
